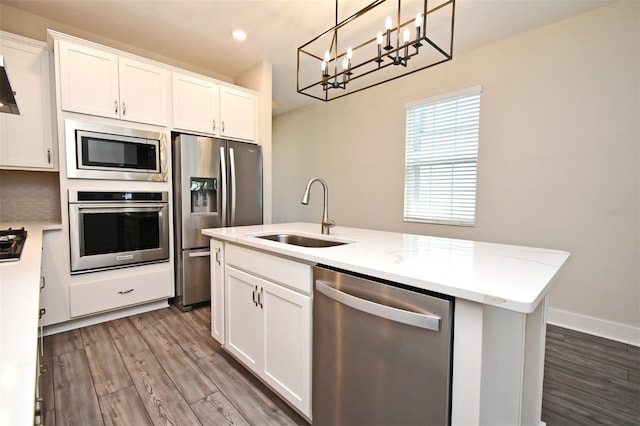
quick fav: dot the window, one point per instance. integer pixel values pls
(442, 158)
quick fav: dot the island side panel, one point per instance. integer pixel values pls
(467, 363)
(512, 366)
(535, 345)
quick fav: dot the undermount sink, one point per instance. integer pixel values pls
(301, 240)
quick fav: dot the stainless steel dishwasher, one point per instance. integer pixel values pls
(381, 352)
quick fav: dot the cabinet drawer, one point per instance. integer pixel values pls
(91, 297)
(287, 272)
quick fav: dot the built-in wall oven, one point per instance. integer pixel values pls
(113, 229)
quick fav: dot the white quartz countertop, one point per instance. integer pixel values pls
(510, 277)
(19, 312)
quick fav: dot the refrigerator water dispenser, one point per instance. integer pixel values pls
(204, 193)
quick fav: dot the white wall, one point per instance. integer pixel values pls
(558, 157)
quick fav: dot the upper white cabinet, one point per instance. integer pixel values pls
(98, 82)
(201, 105)
(26, 140)
(238, 114)
(196, 105)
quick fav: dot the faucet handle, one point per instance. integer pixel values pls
(326, 225)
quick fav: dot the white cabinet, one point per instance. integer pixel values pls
(26, 140)
(201, 105)
(217, 290)
(54, 296)
(268, 320)
(98, 82)
(195, 104)
(238, 114)
(110, 290)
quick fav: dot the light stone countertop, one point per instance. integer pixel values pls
(507, 276)
(19, 312)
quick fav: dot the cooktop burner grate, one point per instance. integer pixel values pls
(11, 244)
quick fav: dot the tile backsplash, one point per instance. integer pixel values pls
(29, 196)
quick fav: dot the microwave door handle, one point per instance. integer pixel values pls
(232, 166)
(223, 175)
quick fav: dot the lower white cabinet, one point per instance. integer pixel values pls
(217, 290)
(268, 328)
(54, 296)
(94, 295)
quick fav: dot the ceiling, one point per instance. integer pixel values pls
(197, 32)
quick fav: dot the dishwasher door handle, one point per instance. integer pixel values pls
(429, 322)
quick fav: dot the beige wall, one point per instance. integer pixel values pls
(558, 156)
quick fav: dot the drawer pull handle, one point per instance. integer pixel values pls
(125, 291)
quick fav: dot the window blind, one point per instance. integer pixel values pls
(442, 158)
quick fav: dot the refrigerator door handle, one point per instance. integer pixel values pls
(232, 166)
(200, 254)
(223, 173)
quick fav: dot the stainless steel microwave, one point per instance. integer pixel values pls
(100, 151)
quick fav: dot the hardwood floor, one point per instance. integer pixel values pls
(589, 380)
(163, 367)
(160, 368)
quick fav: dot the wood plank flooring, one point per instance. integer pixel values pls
(157, 368)
(163, 368)
(589, 380)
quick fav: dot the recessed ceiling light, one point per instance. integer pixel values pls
(239, 35)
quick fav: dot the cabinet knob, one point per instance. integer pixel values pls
(49, 156)
(125, 291)
(115, 105)
(43, 311)
(124, 108)
(214, 124)
(222, 126)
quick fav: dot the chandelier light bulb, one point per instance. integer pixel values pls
(379, 38)
(349, 53)
(387, 23)
(324, 65)
(418, 20)
(327, 56)
(407, 36)
(345, 63)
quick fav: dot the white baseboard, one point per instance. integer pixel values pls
(597, 327)
(107, 316)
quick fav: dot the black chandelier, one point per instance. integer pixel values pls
(409, 39)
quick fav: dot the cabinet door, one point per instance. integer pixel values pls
(88, 80)
(26, 139)
(238, 113)
(287, 344)
(243, 317)
(54, 296)
(143, 92)
(217, 290)
(195, 105)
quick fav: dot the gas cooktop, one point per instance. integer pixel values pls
(11, 243)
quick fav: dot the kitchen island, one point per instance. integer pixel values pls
(500, 304)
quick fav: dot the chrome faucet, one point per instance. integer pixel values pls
(326, 222)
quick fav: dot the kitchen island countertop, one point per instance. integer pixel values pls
(507, 276)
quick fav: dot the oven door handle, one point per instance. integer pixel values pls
(121, 206)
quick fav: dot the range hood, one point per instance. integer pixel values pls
(7, 100)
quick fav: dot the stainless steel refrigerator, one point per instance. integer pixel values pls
(216, 183)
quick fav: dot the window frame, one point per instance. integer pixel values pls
(453, 161)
